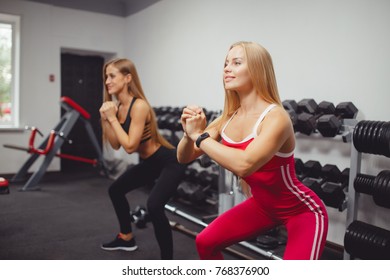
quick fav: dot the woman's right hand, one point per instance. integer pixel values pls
(108, 111)
(189, 112)
(102, 115)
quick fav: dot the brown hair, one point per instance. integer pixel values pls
(126, 66)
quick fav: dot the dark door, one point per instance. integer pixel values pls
(81, 80)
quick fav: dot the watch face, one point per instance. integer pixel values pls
(201, 138)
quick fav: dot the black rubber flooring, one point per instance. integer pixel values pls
(71, 215)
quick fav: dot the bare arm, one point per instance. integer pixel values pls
(129, 140)
(110, 134)
(275, 131)
(109, 109)
(186, 149)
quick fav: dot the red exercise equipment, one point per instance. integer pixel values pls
(53, 142)
(4, 186)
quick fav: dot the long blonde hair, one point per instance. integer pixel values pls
(262, 74)
(126, 66)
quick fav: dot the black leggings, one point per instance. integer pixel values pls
(163, 172)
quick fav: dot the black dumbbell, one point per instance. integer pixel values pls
(329, 186)
(310, 168)
(197, 185)
(314, 185)
(171, 124)
(307, 105)
(139, 217)
(309, 173)
(190, 174)
(169, 121)
(333, 195)
(163, 110)
(162, 120)
(270, 239)
(157, 111)
(331, 173)
(192, 192)
(207, 113)
(175, 111)
(174, 124)
(267, 242)
(307, 122)
(205, 161)
(330, 125)
(377, 186)
(190, 188)
(299, 165)
(208, 179)
(333, 185)
(291, 106)
(171, 137)
(166, 115)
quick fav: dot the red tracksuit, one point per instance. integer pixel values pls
(278, 197)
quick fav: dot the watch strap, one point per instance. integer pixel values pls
(201, 137)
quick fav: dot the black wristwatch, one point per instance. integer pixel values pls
(201, 137)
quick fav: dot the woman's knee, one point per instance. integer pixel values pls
(207, 248)
(203, 242)
(155, 208)
(114, 191)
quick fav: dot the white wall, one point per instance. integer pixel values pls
(45, 30)
(328, 50)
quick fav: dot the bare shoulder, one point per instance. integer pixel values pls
(278, 111)
(140, 109)
(277, 115)
(140, 104)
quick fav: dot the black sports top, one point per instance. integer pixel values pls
(146, 135)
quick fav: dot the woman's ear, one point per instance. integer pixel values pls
(129, 78)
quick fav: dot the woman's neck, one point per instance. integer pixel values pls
(251, 103)
(124, 98)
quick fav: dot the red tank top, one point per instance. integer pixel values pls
(275, 185)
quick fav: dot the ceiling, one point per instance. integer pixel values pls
(121, 8)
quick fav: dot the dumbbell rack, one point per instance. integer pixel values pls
(353, 195)
(346, 136)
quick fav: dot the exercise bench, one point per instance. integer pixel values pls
(53, 142)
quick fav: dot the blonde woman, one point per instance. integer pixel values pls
(254, 139)
(129, 122)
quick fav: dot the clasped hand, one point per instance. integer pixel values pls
(108, 111)
(193, 121)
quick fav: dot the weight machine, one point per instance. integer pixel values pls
(53, 142)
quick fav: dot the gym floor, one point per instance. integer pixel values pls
(71, 215)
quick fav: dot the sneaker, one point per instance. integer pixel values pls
(120, 244)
